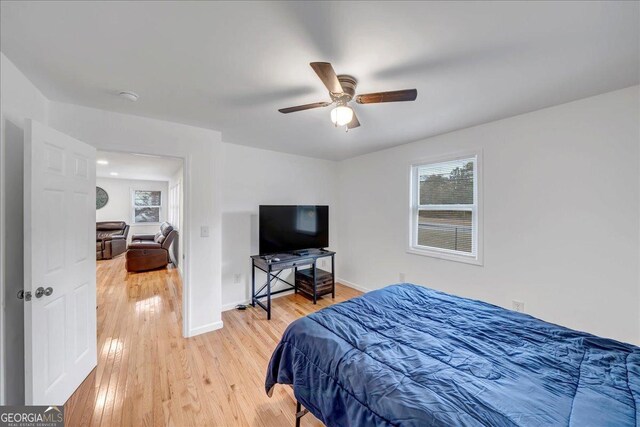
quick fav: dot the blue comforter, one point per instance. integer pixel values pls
(410, 356)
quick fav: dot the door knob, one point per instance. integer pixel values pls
(48, 291)
(24, 295)
(39, 292)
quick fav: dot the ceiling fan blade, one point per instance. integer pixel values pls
(325, 71)
(393, 96)
(354, 123)
(304, 107)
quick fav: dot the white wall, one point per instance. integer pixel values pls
(119, 206)
(19, 99)
(561, 209)
(201, 151)
(254, 177)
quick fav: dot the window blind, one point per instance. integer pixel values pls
(446, 205)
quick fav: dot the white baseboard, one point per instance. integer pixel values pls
(232, 305)
(352, 285)
(206, 328)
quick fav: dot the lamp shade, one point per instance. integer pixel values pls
(341, 115)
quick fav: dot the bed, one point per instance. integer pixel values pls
(411, 356)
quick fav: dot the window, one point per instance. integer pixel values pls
(174, 206)
(146, 206)
(444, 209)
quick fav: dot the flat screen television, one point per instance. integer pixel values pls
(293, 228)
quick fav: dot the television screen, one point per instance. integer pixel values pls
(291, 228)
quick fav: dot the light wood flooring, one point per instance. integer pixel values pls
(149, 375)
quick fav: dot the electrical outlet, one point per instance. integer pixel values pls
(323, 263)
(401, 277)
(518, 306)
(236, 278)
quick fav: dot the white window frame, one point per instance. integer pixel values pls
(173, 216)
(133, 206)
(476, 255)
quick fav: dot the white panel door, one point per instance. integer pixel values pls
(60, 267)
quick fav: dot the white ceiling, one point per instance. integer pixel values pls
(137, 166)
(230, 65)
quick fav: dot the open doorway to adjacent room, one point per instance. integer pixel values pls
(139, 219)
(139, 268)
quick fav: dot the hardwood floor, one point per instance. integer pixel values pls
(148, 375)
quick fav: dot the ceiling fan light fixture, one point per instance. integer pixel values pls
(341, 115)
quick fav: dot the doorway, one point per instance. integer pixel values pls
(139, 313)
(62, 161)
(139, 196)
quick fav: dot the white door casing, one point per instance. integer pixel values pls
(59, 224)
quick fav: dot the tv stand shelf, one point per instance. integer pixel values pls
(310, 280)
(324, 283)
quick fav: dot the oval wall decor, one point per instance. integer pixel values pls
(101, 198)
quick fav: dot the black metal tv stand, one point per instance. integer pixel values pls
(274, 264)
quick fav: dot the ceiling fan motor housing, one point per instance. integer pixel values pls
(348, 84)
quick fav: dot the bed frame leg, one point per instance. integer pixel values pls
(300, 413)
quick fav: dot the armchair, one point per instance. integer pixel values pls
(150, 251)
(111, 239)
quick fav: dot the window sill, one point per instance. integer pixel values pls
(467, 259)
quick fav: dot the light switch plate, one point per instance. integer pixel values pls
(204, 231)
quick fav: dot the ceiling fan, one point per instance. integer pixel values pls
(342, 89)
